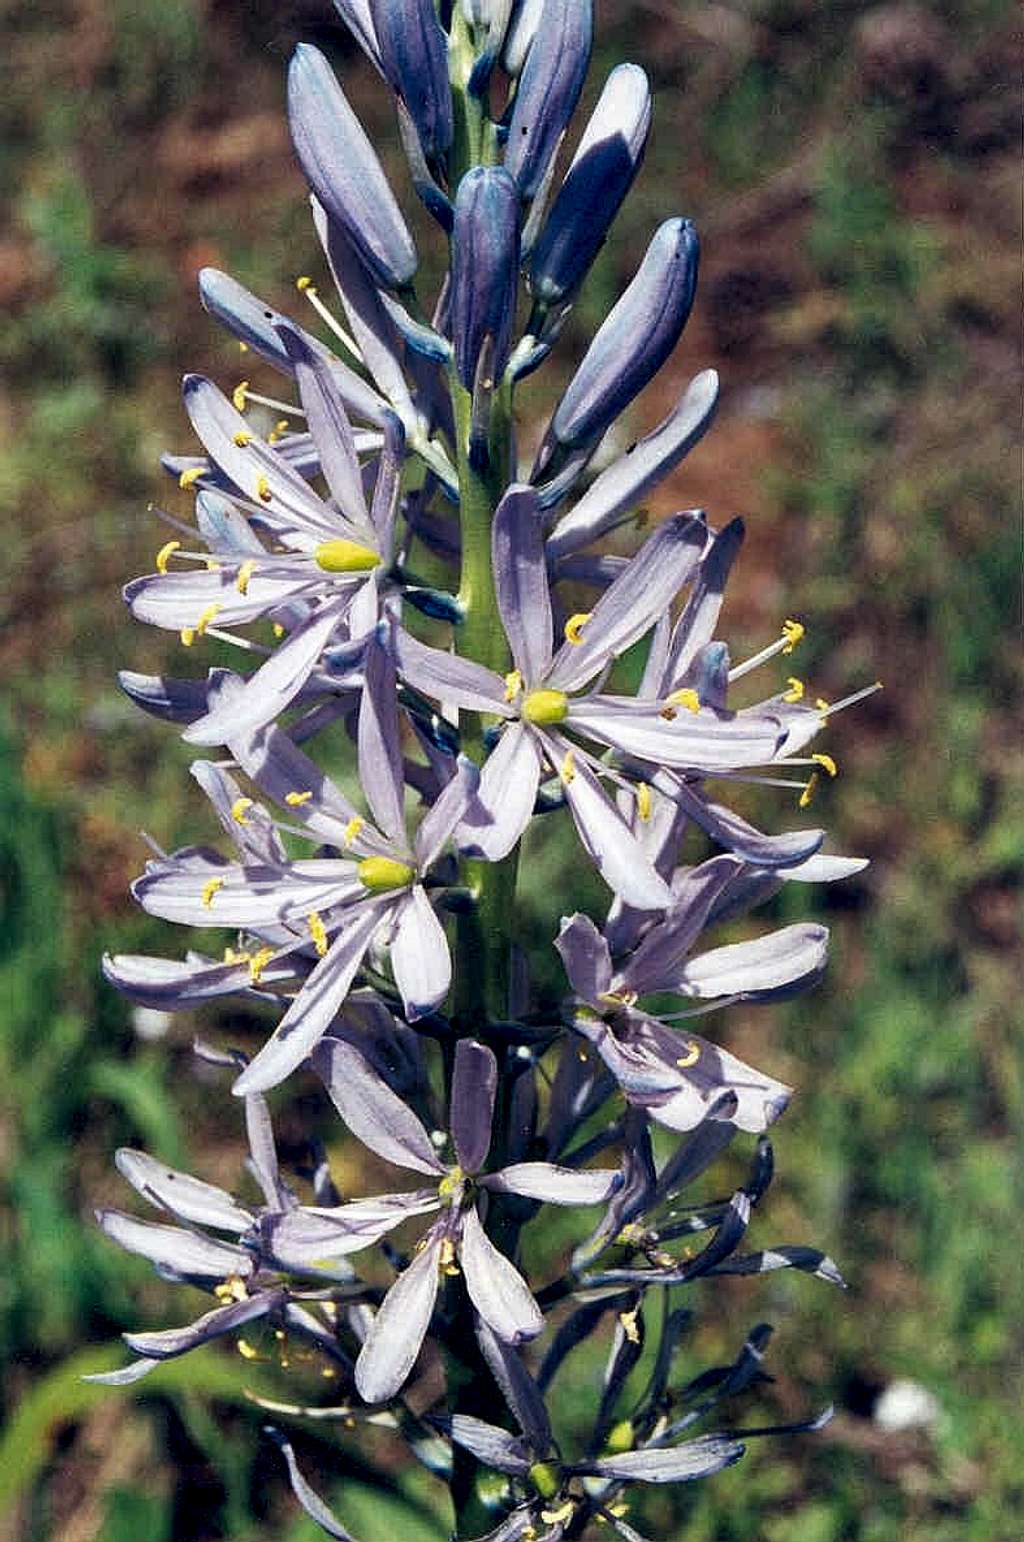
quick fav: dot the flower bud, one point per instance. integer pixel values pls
(600, 176)
(522, 29)
(549, 89)
(414, 57)
(358, 17)
(634, 341)
(485, 269)
(343, 171)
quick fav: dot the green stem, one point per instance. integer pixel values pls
(484, 932)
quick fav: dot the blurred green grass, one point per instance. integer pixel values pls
(854, 170)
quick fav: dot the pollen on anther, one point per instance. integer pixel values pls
(263, 489)
(318, 932)
(204, 620)
(258, 963)
(574, 627)
(191, 476)
(245, 572)
(513, 684)
(239, 810)
(296, 799)
(239, 395)
(164, 554)
(796, 689)
(643, 801)
(690, 1058)
(793, 632)
(241, 439)
(278, 431)
(210, 888)
(807, 795)
(567, 770)
(304, 283)
(686, 697)
(353, 828)
(826, 763)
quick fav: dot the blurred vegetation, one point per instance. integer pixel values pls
(855, 172)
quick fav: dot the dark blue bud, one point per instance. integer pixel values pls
(549, 89)
(485, 270)
(438, 604)
(342, 168)
(414, 57)
(520, 33)
(600, 176)
(357, 16)
(634, 341)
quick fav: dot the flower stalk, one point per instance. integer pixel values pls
(387, 944)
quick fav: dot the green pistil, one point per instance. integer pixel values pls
(546, 707)
(381, 874)
(345, 557)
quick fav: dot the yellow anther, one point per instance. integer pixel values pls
(796, 689)
(821, 704)
(263, 489)
(231, 1289)
(246, 1350)
(630, 1325)
(232, 956)
(643, 800)
(245, 572)
(451, 1182)
(826, 763)
(806, 796)
(352, 829)
(187, 636)
(619, 1510)
(318, 932)
(793, 632)
(239, 809)
(242, 347)
(574, 627)
(513, 684)
(446, 1259)
(560, 1516)
(192, 475)
(164, 554)
(304, 283)
(687, 697)
(241, 439)
(239, 395)
(204, 620)
(567, 770)
(545, 707)
(382, 874)
(210, 888)
(296, 799)
(691, 1057)
(212, 565)
(278, 431)
(278, 629)
(258, 963)
(631, 1233)
(345, 557)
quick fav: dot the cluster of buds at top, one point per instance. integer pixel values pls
(475, 707)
